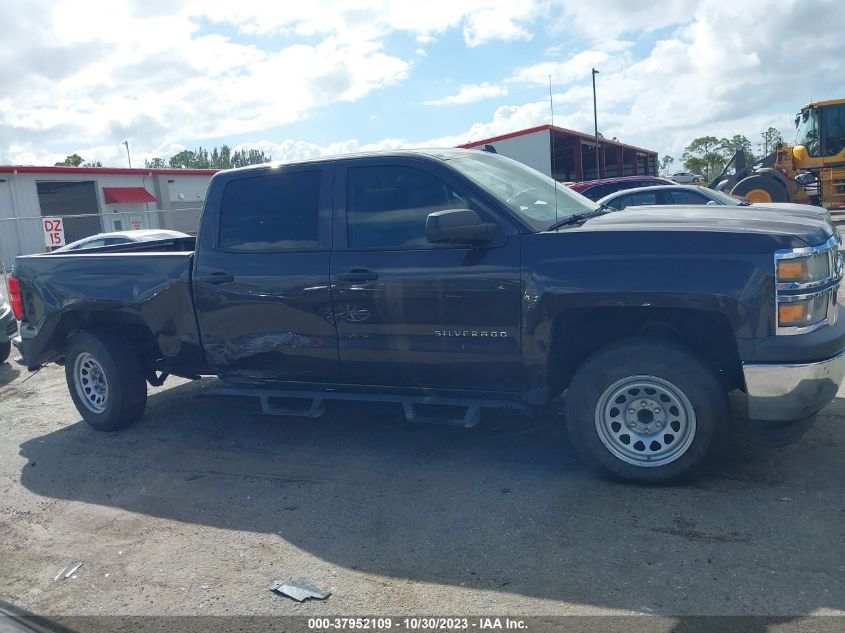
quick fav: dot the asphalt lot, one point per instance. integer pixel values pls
(203, 504)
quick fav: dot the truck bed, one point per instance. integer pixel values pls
(145, 285)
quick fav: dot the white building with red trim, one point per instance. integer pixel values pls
(98, 199)
(570, 156)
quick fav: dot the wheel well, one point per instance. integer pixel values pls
(579, 333)
(128, 326)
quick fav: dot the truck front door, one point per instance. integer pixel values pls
(261, 279)
(411, 313)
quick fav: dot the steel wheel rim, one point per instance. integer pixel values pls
(645, 421)
(90, 382)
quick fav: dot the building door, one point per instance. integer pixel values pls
(76, 202)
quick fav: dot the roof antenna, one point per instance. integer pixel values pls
(552, 138)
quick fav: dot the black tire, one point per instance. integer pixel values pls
(5, 351)
(695, 180)
(126, 387)
(758, 186)
(672, 365)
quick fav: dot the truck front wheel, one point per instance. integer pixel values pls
(646, 411)
(105, 380)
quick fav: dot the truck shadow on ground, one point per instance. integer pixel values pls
(7, 374)
(503, 507)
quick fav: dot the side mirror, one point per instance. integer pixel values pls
(458, 225)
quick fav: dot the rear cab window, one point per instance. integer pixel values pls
(271, 212)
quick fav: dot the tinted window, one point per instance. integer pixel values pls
(117, 240)
(682, 196)
(92, 244)
(276, 212)
(599, 191)
(387, 206)
(652, 183)
(642, 198)
(633, 184)
(620, 203)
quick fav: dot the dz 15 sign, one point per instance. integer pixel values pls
(54, 231)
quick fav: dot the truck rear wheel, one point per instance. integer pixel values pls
(760, 189)
(105, 380)
(646, 411)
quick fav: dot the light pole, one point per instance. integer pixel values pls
(596, 121)
(130, 160)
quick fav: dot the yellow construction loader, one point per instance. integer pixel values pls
(811, 171)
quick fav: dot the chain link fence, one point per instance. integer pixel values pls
(27, 236)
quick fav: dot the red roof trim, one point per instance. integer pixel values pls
(121, 171)
(127, 195)
(562, 130)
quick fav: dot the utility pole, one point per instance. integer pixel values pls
(596, 121)
(130, 160)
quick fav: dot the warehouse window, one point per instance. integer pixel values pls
(277, 212)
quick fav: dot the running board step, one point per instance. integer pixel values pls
(418, 409)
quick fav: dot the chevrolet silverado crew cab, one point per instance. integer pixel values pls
(450, 281)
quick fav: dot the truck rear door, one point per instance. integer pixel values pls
(411, 313)
(261, 280)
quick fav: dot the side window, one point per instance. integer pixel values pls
(274, 212)
(92, 244)
(387, 206)
(833, 129)
(681, 196)
(643, 198)
(117, 240)
(617, 203)
(598, 191)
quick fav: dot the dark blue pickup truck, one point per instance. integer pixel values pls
(451, 281)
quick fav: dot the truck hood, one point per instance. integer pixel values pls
(807, 227)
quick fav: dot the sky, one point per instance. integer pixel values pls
(313, 77)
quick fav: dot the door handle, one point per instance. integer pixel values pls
(358, 274)
(216, 278)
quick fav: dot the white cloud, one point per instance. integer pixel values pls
(470, 93)
(163, 74)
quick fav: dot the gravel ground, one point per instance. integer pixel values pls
(199, 507)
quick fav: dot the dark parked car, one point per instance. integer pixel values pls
(459, 280)
(693, 195)
(595, 189)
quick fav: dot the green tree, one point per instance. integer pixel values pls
(730, 146)
(666, 163)
(92, 163)
(218, 158)
(702, 156)
(155, 163)
(771, 138)
(74, 160)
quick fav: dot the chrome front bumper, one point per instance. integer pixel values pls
(789, 392)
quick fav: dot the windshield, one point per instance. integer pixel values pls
(807, 134)
(536, 198)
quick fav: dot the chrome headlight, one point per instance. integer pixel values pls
(807, 280)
